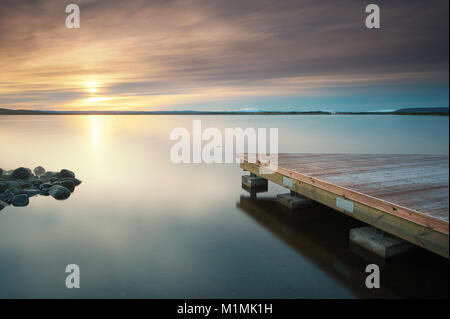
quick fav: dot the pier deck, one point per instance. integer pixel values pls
(405, 195)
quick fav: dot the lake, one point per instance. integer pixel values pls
(140, 226)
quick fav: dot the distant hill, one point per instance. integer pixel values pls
(4, 111)
(424, 110)
(407, 111)
(16, 112)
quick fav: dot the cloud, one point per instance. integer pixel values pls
(149, 54)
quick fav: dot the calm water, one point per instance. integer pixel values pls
(140, 226)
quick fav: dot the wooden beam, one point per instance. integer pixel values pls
(396, 224)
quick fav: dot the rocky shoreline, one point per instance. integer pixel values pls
(17, 186)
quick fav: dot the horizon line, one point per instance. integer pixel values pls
(420, 110)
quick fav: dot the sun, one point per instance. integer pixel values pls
(91, 86)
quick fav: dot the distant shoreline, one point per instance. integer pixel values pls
(418, 111)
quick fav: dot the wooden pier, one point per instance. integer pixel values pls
(404, 195)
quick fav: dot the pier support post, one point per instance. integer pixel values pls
(253, 181)
(293, 200)
(254, 184)
(378, 242)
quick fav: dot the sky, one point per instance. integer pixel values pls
(223, 55)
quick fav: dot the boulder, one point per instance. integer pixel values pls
(20, 173)
(59, 192)
(13, 185)
(68, 184)
(30, 192)
(6, 196)
(38, 171)
(20, 200)
(66, 173)
(25, 184)
(76, 181)
(3, 204)
(49, 175)
(36, 182)
(45, 185)
(3, 187)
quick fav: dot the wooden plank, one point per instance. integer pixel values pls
(369, 166)
(350, 165)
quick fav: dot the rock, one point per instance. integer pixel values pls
(36, 182)
(20, 200)
(59, 192)
(3, 187)
(30, 192)
(38, 171)
(6, 197)
(16, 186)
(45, 185)
(3, 204)
(66, 173)
(76, 181)
(13, 185)
(49, 175)
(68, 184)
(20, 173)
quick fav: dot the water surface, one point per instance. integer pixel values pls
(140, 226)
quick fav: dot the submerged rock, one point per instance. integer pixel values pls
(20, 200)
(59, 192)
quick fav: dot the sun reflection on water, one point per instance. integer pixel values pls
(96, 132)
